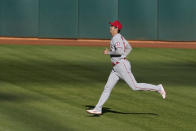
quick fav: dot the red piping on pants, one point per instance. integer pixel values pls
(129, 75)
(133, 81)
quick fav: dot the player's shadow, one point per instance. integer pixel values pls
(108, 110)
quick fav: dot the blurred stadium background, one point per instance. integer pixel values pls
(168, 20)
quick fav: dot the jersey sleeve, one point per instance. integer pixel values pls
(128, 48)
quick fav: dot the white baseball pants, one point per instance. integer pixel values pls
(122, 71)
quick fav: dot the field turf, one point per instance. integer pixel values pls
(48, 88)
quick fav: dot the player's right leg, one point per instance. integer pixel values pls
(112, 80)
(128, 77)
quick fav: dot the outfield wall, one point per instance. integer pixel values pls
(168, 20)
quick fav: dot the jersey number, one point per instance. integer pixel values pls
(117, 44)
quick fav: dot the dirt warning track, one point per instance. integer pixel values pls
(91, 42)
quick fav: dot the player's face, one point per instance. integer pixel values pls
(113, 29)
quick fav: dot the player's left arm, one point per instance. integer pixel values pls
(117, 49)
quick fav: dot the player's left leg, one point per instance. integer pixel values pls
(112, 80)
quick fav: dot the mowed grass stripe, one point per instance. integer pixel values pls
(49, 88)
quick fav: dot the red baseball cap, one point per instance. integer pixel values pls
(117, 24)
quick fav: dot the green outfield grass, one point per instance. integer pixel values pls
(48, 88)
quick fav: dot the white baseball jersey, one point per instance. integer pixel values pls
(119, 48)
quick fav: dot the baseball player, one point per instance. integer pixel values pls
(119, 49)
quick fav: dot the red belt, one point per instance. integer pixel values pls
(113, 64)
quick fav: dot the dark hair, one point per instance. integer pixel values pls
(118, 31)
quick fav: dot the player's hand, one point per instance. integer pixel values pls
(106, 51)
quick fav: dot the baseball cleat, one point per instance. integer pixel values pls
(162, 91)
(94, 112)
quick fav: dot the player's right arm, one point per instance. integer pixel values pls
(128, 49)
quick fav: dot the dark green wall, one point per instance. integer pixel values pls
(1, 17)
(94, 16)
(19, 18)
(173, 20)
(139, 18)
(58, 18)
(177, 20)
